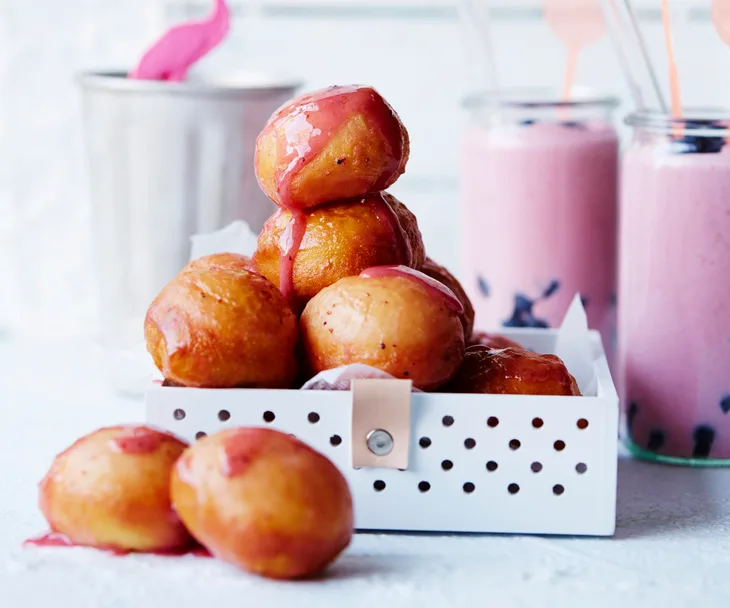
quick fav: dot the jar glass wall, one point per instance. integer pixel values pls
(674, 296)
(539, 209)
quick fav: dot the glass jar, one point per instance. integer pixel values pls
(539, 209)
(674, 296)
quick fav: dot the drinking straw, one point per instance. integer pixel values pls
(632, 53)
(675, 95)
(569, 80)
(644, 59)
(618, 35)
(475, 19)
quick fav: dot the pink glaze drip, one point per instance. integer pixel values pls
(236, 458)
(387, 215)
(172, 56)
(289, 244)
(432, 285)
(309, 125)
(138, 440)
(56, 539)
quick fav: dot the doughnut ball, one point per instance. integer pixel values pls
(438, 272)
(395, 319)
(491, 340)
(222, 327)
(336, 241)
(264, 501)
(512, 371)
(111, 490)
(233, 261)
(333, 144)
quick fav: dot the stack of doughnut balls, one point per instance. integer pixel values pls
(340, 276)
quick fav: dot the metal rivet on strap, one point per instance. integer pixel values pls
(380, 442)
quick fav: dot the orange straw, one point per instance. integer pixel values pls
(676, 99)
(573, 53)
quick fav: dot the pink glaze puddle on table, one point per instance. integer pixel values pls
(172, 56)
(432, 285)
(50, 539)
(56, 539)
(309, 125)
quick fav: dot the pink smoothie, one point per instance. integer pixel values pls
(674, 317)
(539, 211)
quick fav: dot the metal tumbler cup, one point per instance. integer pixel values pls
(166, 161)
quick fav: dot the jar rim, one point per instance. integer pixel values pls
(233, 83)
(583, 97)
(698, 122)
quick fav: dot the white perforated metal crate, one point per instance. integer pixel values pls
(476, 463)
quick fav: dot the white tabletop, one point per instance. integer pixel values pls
(672, 546)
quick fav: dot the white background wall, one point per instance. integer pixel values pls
(412, 51)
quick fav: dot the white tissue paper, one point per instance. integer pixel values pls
(234, 238)
(573, 344)
(339, 379)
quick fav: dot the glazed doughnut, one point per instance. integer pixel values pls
(264, 501)
(338, 143)
(512, 371)
(111, 490)
(336, 241)
(395, 319)
(221, 260)
(222, 328)
(438, 272)
(491, 340)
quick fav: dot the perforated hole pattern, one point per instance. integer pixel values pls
(496, 460)
(425, 442)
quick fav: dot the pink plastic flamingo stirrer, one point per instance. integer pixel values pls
(172, 56)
